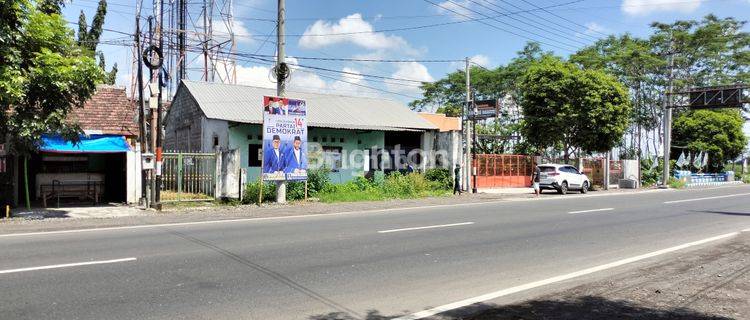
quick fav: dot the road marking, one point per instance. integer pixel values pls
(427, 227)
(532, 285)
(67, 265)
(708, 198)
(592, 210)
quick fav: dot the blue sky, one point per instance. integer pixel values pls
(572, 26)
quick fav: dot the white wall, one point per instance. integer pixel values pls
(211, 128)
(133, 175)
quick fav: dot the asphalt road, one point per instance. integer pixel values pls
(392, 262)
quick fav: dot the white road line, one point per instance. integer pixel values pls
(708, 198)
(67, 265)
(427, 227)
(532, 285)
(592, 210)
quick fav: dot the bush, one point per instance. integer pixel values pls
(397, 185)
(378, 178)
(252, 189)
(676, 183)
(295, 190)
(318, 180)
(441, 177)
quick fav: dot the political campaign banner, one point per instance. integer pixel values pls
(284, 139)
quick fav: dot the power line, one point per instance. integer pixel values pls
(563, 18)
(543, 20)
(496, 27)
(513, 26)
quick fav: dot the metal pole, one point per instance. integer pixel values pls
(181, 38)
(141, 104)
(668, 119)
(467, 150)
(159, 131)
(473, 148)
(152, 119)
(280, 79)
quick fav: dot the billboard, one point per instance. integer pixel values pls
(284, 139)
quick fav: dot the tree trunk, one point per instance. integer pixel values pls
(26, 181)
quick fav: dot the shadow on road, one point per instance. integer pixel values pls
(744, 214)
(582, 308)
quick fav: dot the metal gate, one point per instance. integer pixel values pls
(504, 170)
(188, 176)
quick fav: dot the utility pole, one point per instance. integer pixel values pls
(668, 117)
(182, 38)
(281, 75)
(159, 131)
(141, 104)
(467, 151)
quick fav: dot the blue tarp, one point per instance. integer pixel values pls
(94, 143)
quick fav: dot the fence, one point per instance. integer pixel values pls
(188, 176)
(503, 170)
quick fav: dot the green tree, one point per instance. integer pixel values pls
(43, 75)
(581, 110)
(718, 132)
(89, 39)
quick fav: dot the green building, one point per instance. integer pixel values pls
(351, 135)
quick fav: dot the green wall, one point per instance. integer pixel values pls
(242, 135)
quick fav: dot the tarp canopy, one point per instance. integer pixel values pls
(94, 143)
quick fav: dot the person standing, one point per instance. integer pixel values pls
(536, 179)
(457, 179)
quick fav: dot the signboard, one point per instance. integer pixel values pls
(284, 139)
(717, 97)
(485, 109)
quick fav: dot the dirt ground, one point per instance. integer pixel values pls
(709, 283)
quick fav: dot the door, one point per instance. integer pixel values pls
(575, 178)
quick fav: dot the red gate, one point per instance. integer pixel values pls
(503, 170)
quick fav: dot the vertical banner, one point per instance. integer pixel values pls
(284, 139)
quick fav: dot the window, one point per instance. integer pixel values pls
(216, 141)
(341, 140)
(255, 155)
(332, 158)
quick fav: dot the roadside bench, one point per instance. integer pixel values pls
(83, 190)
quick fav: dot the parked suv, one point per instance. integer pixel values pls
(562, 177)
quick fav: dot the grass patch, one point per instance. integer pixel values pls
(376, 188)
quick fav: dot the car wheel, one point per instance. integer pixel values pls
(585, 187)
(563, 188)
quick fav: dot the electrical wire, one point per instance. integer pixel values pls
(498, 28)
(531, 23)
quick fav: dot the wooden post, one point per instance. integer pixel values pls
(305, 190)
(7, 211)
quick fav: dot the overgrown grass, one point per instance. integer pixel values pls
(675, 183)
(379, 187)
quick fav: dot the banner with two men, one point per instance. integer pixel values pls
(284, 139)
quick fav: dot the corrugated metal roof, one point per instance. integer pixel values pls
(244, 104)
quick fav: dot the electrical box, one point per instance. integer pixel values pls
(148, 161)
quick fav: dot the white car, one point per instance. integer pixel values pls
(562, 177)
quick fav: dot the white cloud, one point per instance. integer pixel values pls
(351, 23)
(481, 60)
(644, 7)
(411, 71)
(457, 9)
(594, 29)
(258, 76)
